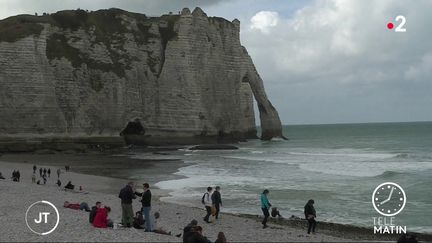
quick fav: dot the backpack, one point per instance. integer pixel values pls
(138, 220)
(202, 199)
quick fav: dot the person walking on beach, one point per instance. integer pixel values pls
(34, 168)
(58, 173)
(49, 172)
(217, 200)
(40, 172)
(44, 172)
(265, 206)
(310, 215)
(127, 195)
(207, 201)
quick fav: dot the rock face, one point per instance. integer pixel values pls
(87, 74)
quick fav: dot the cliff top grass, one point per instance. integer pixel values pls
(18, 27)
(105, 21)
(107, 27)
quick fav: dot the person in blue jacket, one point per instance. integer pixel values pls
(265, 206)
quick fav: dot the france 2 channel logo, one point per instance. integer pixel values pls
(401, 21)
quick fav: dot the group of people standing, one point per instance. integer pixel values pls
(16, 175)
(44, 174)
(212, 201)
(309, 211)
(127, 194)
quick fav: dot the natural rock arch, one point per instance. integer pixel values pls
(271, 125)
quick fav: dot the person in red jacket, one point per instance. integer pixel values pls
(101, 220)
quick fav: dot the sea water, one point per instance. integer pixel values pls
(338, 166)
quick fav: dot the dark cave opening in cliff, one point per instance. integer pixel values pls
(133, 128)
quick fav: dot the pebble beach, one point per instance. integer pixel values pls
(16, 197)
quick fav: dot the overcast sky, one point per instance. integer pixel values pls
(330, 61)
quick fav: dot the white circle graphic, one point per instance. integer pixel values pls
(55, 226)
(397, 201)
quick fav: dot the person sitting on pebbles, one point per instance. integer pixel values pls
(153, 225)
(77, 206)
(69, 186)
(101, 220)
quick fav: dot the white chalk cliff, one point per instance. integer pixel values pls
(84, 74)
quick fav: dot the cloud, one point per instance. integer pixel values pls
(264, 21)
(421, 71)
(338, 56)
(322, 61)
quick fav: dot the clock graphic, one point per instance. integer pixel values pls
(388, 199)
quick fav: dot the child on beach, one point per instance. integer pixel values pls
(275, 213)
(310, 215)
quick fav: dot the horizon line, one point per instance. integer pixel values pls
(350, 123)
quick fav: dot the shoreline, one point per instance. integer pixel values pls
(332, 230)
(74, 224)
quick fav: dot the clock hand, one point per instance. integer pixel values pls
(384, 201)
(389, 197)
(391, 193)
